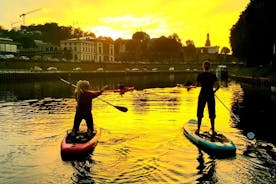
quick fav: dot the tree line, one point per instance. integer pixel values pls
(139, 47)
(49, 33)
(252, 38)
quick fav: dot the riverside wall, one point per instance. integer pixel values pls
(20, 70)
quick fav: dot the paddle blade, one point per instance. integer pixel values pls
(123, 109)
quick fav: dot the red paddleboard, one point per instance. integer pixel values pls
(78, 146)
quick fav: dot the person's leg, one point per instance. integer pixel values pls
(213, 125)
(200, 110)
(212, 113)
(77, 121)
(198, 125)
(89, 123)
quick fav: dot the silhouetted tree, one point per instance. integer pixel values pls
(140, 41)
(225, 50)
(49, 33)
(175, 37)
(90, 34)
(253, 36)
(163, 48)
(3, 32)
(190, 49)
(140, 36)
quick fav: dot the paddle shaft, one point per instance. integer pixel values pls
(124, 109)
(234, 115)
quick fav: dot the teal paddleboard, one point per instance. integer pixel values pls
(219, 144)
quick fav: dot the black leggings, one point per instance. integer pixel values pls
(88, 119)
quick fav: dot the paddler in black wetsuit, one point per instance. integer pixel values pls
(207, 80)
(84, 106)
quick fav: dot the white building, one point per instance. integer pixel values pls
(7, 46)
(89, 49)
(209, 49)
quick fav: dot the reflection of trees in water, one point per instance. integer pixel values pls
(256, 112)
(171, 77)
(7, 96)
(206, 169)
(83, 169)
(39, 89)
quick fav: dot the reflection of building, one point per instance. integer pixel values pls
(89, 49)
(8, 46)
(208, 49)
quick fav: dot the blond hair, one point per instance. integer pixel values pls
(82, 86)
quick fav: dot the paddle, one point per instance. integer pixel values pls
(234, 115)
(120, 108)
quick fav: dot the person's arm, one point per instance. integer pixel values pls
(95, 94)
(217, 86)
(104, 88)
(197, 84)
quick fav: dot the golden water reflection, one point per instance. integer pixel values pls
(144, 145)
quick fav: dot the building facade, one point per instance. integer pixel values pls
(89, 49)
(7, 46)
(208, 49)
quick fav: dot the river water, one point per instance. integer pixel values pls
(145, 144)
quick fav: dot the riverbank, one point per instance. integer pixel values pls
(23, 74)
(255, 72)
(90, 66)
(260, 75)
(22, 70)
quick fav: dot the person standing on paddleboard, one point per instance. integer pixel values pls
(207, 81)
(84, 105)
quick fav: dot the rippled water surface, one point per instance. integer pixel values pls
(144, 145)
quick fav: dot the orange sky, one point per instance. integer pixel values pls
(121, 18)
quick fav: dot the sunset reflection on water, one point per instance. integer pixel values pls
(144, 145)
